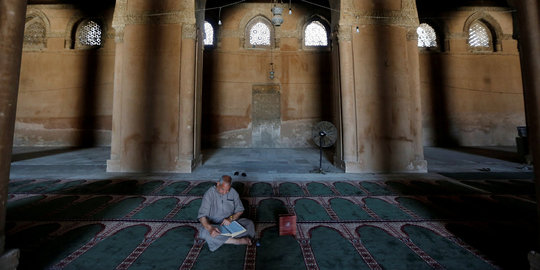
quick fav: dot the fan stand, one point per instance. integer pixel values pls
(320, 170)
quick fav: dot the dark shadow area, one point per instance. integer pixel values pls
(88, 102)
(384, 97)
(325, 81)
(428, 5)
(489, 175)
(510, 156)
(437, 69)
(440, 118)
(505, 243)
(43, 153)
(209, 125)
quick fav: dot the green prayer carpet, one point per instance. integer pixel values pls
(278, 252)
(462, 223)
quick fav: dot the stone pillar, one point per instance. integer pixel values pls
(528, 19)
(113, 164)
(187, 99)
(154, 91)
(418, 163)
(381, 117)
(12, 19)
(348, 102)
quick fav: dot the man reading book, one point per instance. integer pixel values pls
(221, 206)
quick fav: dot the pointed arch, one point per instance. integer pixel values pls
(36, 27)
(477, 39)
(85, 33)
(316, 33)
(259, 33)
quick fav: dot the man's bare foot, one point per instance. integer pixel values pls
(239, 241)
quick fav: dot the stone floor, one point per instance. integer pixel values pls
(259, 164)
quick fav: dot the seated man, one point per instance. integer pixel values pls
(221, 205)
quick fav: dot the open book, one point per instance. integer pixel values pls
(232, 230)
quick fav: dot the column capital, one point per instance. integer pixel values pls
(343, 32)
(124, 16)
(404, 14)
(189, 31)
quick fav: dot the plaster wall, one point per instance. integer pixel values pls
(65, 94)
(232, 71)
(472, 98)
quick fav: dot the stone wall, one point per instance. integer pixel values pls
(472, 98)
(235, 72)
(65, 94)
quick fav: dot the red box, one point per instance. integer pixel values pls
(287, 224)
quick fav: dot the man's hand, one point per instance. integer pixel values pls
(214, 232)
(226, 222)
(211, 229)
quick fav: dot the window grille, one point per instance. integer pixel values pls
(478, 35)
(427, 37)
(90, 34)
(208, 34)
(35, 34)
(315, 34)
(259, 34)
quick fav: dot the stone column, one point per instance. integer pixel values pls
(348, 101)
(113, 164)
(380, 93)
(12, 18)
(418, 163)
(154, 89)
(187, 98)
(528, 19)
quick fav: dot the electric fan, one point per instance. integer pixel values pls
(324, 135)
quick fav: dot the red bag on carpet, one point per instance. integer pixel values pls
(287, 224)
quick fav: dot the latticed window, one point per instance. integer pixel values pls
(35, 33)
(89, 34)
(427, 38)
(478, 35)
(259, 35)
(208, 34)
(315, 34)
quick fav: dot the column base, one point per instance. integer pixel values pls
(10, 260)
(113, 165)
(188, 165)
(182, 166)
(417, 166)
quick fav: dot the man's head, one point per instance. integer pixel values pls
(224, 184)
